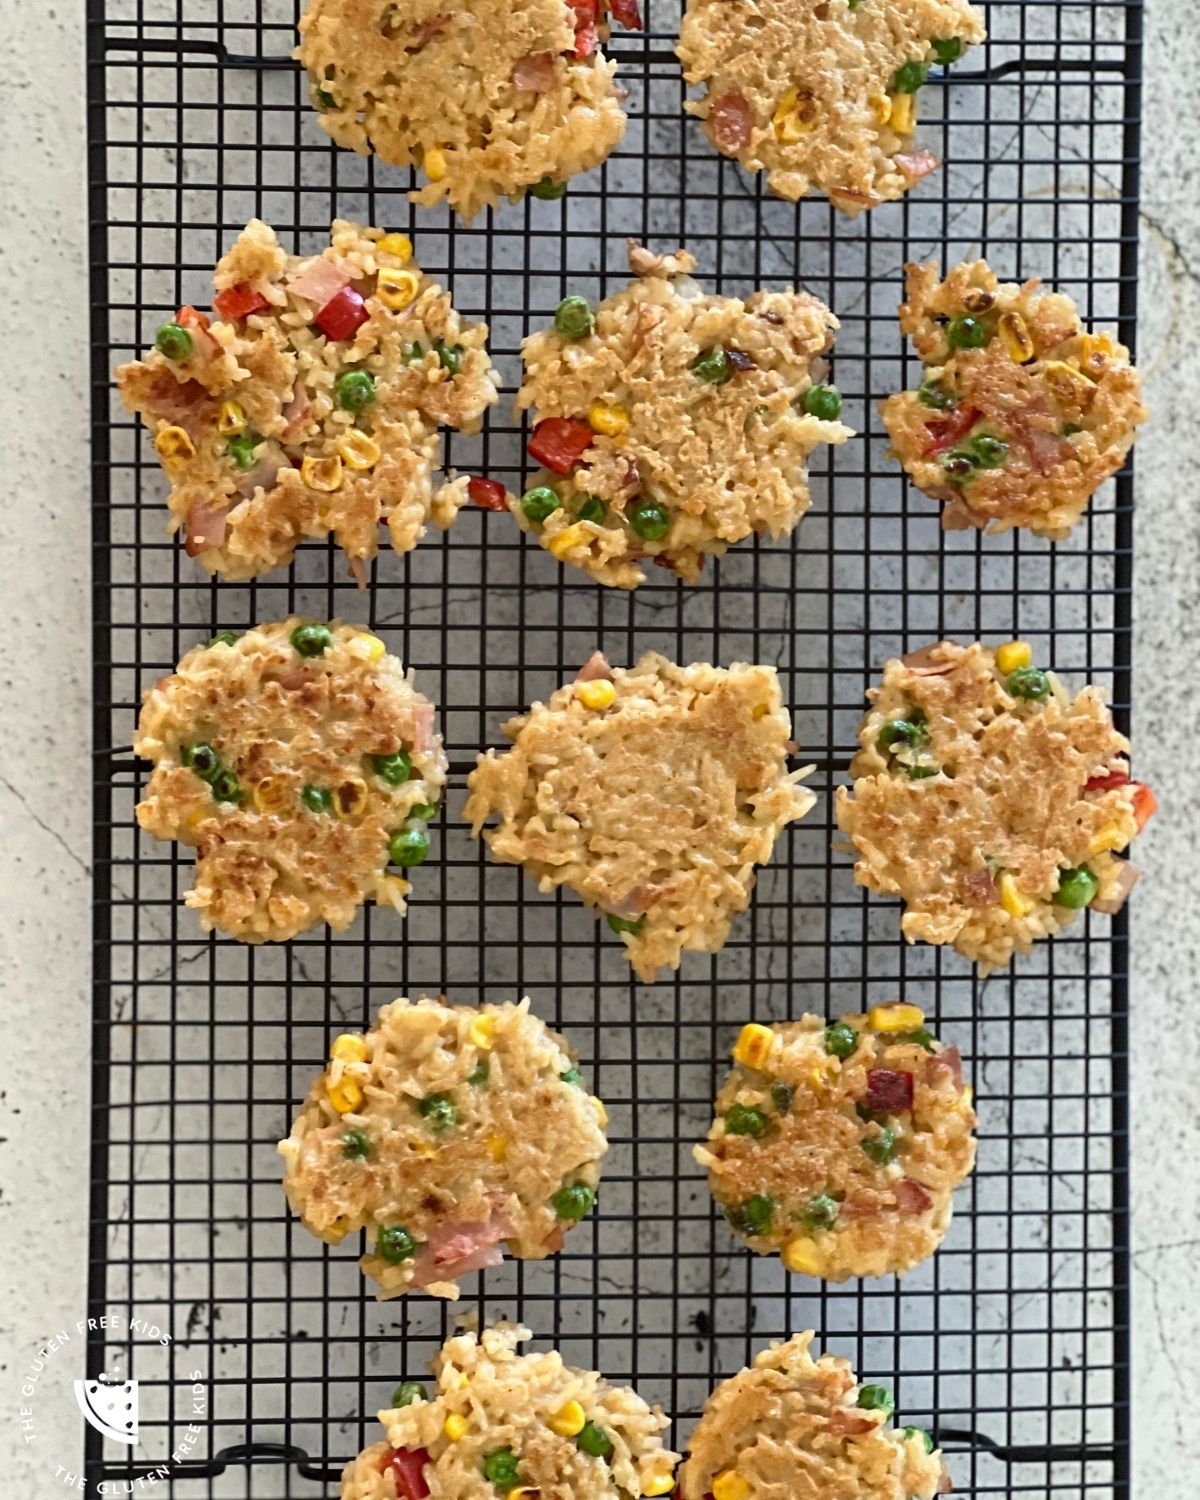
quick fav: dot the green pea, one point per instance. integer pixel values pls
(224, 638)
(572, 1075)
(782, 1095)
(439, 1110)
(882, 1147)
(202, 759)
(173, 342)
(823, 401)
(501, 1468)
(318, 799)
(312, 640)
(990, 452)
(573, 318)
(426, 811)
(395, 769)
(1030, 683)
(920, 1037)
(923, 768)
(450, 356)
(912, 1432)
(482, 1072)
(356, 1144)
(897, 730)
(864, 1113)
(594, 1441)
(226, 787)
(408, 846)
(650, 520)
(713, 366)
(354, 390)
(934, 393)
(876, 1398)
(840, 1039)
(909, 77)
(395, 1244)
(947, 50)
(1076, 888)
(744, 1119)
(408, 1392)
(958, 466)
(412, 354)
(820, 1212)
(241, 449)
(574, 1201)
(1069, 429)
(325, 99)
(592, 509)
(757, 1213)
(548, 190)
(623, 924)
(539, 503)
(965, 332)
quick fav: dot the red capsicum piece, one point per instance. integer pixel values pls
(944, 432)
(343, 315)
(488, 494)
(585, 26)
(239, 301)
(1145, 803)
(408, 1467)
(558, 443)
(626, 12)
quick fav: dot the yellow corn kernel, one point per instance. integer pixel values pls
(903, 118)
(1012, 655)
(881, 108)
(1091, 344)
(568, 1420)
(601, 1111)
(607, 420)
(350, 799)
(1014, 335)
(271, 794)
(817, 1079)
(323, 474)
(967, 1096)
(194, 819)
(1011, 898)
(482, 1031)
(658, 1484)
(497, 1147)
(231, 419)
(390, 890)
(754, 1045)
(396, 289)
(598, 694)
(1067, 382)
(358, 451)
(795, 116)
(455, 1427)
(896, 1017)
(760, 711)
(398, 245)
(570, 536)
(345, 1095)
(366, 647)
(1107, 839)
(173, 443)
(524, 1492)
(349, 1048)
(434, 164)
(802, 1255)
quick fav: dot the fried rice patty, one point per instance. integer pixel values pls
(988, 799)
(1063, 403)
(259, 426)
(542, 1427)
(488, 99)
(458, 1127)
(266, 763)
(727, 458)
(821, 96)
(840, 1146)
(791, 1428)
(652, 792)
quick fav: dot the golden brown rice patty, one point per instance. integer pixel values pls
(297, 760)
(791, 1428)
(488, 100)
(523, 1424)
(1021, 414)
(446, 1132)
(651, 791)
(692, 411)
(991, 802)
(840, 1146)
(822, 96)
(312, 405)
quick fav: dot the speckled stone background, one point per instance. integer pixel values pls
(45, 770)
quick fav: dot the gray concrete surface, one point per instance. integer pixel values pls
(45, 776)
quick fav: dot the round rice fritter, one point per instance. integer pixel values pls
(298, 761)
(989, 800)
(672, 423)
(840, 1146)
(794, 1428)
(525, 1425)
(489, 100)
(311, 405)
(1021, 414)
(822, 97)
(446, 1133)
(652, 792)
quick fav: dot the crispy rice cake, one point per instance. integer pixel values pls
(446, 1133)
(989, 800)
(1022, 414)
(822, 96)
(840, 1146)
(311, 405)
(298, 761)
(488, 100)
(525, 1425)
(652, 792)
(794, 1428)
(672, 423)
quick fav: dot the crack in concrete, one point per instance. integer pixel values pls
(72, 854)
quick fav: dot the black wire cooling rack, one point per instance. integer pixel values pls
(1012, 1342)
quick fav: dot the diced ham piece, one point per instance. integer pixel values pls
(738, 359)
(408, 1470)
(924, 664)
(911, 1197)
(1046, 449)
(916, 164)
(555, 1240)
(425, 31)
(595, 669)
(625, 13)
(239, 301)
(847, 1423)
(1127, 878)
(487, 494)
(197, 325)
(945, 1064)
(535, 74)
(979, 888)
(265, 473)
(455, 1249)
(731, 121)
(180, 402)
(422, 726)
(296, 409)
(320, 281)
(889, 1090)
(945, 1483)
(944, 432)
(559, 443)
(358, 571)
(851, 195)
(205, 526)
(292, 682)
(343, 316)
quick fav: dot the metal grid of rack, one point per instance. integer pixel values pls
(1012, 1342)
